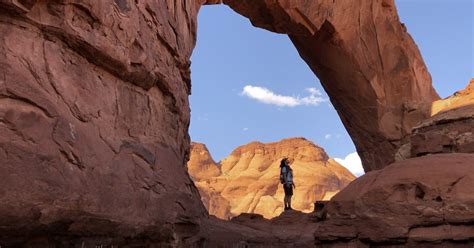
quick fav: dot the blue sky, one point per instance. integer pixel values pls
(231, 54)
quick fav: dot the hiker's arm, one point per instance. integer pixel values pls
(294, 185)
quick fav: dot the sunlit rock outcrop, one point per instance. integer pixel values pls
(459, 99)
(450, 129)
(249, 181)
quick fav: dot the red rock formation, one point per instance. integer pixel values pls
(447, 132)
(93, 122)
(461, 98)
(367, 62)
(249, 182)
(416, 202)
(203, 169)
(201, 166)
(450, 129)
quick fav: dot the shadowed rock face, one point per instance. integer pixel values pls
(367, 62)
(93, 121)
(247, 181)
(417, 202)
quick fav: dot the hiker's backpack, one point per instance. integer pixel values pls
(283, 175)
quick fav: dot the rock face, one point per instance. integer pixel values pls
(449, 130)
(93, 122)
(367, 62)
(201, 166)
(417, 202)
(249, 181)
(203, 169)
(459, 99)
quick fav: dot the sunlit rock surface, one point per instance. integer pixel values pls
(248, 181)
(459, 99)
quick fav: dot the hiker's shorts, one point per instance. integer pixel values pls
(288, 189)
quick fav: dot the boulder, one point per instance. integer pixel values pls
(425, 200)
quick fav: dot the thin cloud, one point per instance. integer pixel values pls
(267, 96)
(327, 136)
(353, 163)
(245, 129)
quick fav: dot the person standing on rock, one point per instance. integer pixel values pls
(286, 178)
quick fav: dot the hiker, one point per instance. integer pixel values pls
(286, 178)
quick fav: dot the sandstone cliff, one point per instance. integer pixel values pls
(93, 120)
(248, 179)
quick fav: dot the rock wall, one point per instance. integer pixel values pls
(449, 130)
(247, 180)
(368, 64)
(94, 118)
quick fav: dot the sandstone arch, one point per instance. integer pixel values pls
(94, 106)
(367, 62)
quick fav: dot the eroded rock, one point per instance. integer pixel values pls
(413, 202)
(93, 122)
(449, 130)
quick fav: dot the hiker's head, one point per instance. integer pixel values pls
(284, 162)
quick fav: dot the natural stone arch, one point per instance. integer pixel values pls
(366, 61)
(94, 108)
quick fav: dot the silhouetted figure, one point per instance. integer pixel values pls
(286, 178)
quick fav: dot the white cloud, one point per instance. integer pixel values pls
(245, 129)
(353, 163)
(314, 91)
(267, 96)
(327, 136)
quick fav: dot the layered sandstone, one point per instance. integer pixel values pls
(459, 99)
(366, 61)
(248, 180)
(449, 130)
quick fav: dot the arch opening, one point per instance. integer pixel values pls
(267, 99)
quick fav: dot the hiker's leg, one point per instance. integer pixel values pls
(289, 201)
(284, 201)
